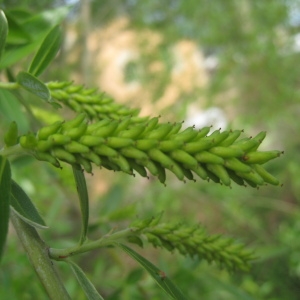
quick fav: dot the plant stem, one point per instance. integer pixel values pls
(9, 85)
(37, 252)
(106, 240)
(13, 150)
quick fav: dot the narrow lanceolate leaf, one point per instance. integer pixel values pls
(33, 85)
(84, 200)
(3, 31)
(47, 51)
(158, 275)
(5, 186)
(88, 288)
(24, 207)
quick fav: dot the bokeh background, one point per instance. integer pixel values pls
(230, 64)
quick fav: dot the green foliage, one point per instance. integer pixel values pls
(195, 242)
(23, 206)
(5, 187)
(114, 137)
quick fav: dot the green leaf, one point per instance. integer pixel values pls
(33, 85)
(3, 31)
(47, 51)
(24, 208)
(159, 276)
(84, 200)
(17, 34)
(16, 54)
(11, 110)
(88, 288)
(5, 186)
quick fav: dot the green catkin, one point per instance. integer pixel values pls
(145, 145)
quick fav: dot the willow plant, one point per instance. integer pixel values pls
(112, 136)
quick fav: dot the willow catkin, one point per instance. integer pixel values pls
(151, 146)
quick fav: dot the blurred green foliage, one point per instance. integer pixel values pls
(254, 42)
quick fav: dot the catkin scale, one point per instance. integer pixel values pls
(107, 130)
(150, 165)
(237, 179)
(59, 139)
(232, 137)
(220, 172)
(187, 135)
(74, 123)
(151, 124)
(122, 163)
(137, 167)
(132, 152)
(177, 170)
(183, 157)
(194, 147)
(175, 129)
(105, 151)
(160, 132)
(63, 155)
(170, 145)
(76, 132)
(236, 165)
(91, 140)
(226, 152)
(200, 171)
(260, 157)
(160, 157)
(93, 157)
(218, 138)
(203, 132)
(47, 157)
(265, 175)
(146, 144)
(44, 146)
(118, 142)
(75, 147)
(133, 132)
(85, 163)
(207, 157)
(46, 131)
(251, 177)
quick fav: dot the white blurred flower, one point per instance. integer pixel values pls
(214, 116)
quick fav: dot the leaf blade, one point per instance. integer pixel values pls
(88, 288)
(159, 276)
(33, 85)
(24, 207)
(5, 187)
(3, 31)
(83, 199)
(47, 51)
